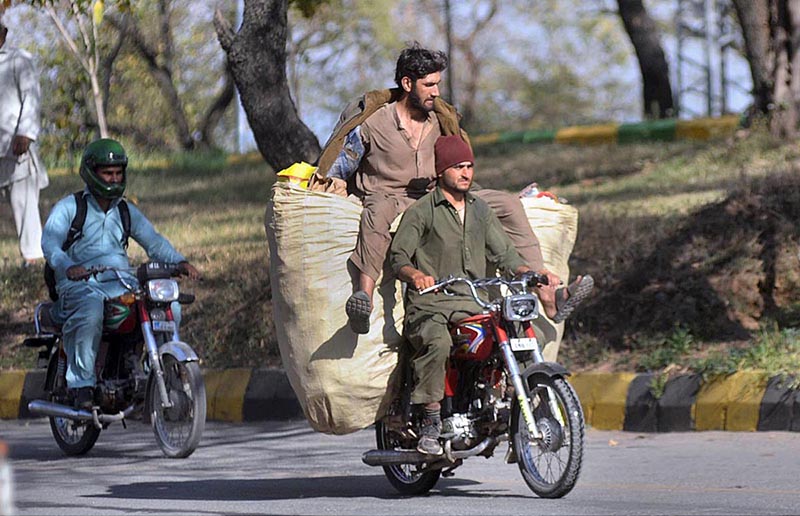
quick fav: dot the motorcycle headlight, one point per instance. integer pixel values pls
(163, 290)
(521, 307)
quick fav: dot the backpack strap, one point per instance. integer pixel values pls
(76, 228)
(125, 217)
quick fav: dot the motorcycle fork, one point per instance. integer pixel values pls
(539, 358)
(152, 352)
(520, 389)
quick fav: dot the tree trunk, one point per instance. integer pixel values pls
(646, 40)
(785, 38)
(754, 19)
(257, 58)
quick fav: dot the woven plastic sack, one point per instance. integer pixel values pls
(342, 380)
(556, 227)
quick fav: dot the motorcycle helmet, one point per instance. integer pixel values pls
(99, 153)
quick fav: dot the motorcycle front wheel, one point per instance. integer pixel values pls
(405, 478)
(178, 428)
(73, 437)
(550, 465)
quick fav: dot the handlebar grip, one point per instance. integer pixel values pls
(429, 289)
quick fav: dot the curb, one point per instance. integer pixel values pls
(233, 395)
(746, 401)
(670, 129)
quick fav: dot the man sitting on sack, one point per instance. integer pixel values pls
(383, 148)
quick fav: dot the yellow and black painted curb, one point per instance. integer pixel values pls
(744, 401)
(231, 394)
(654, 130)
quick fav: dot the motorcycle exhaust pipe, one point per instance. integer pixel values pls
(397, 457)
(48, 408)
(393, 457)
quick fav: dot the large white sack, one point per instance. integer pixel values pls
(341, 379)
(344, 381)
(556, 227)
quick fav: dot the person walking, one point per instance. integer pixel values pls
(21, 171)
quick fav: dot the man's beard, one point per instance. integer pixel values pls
(416, 101)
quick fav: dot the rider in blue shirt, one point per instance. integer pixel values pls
(79, 308)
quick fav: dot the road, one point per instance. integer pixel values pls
(286, 468)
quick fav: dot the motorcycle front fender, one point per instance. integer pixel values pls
(182, 352)
(544, 369)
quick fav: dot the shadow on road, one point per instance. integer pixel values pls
(243, 490)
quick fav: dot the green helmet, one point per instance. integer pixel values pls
(100, 153)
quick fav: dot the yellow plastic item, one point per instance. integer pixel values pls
(299, 174)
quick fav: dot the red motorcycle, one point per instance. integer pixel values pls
(143, 368)
(488, 400)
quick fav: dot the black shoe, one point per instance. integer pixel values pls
(358, 308)
(578, 290)
(84, 398)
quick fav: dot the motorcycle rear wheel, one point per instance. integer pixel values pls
(404, 477)
(550, 466)
(73, 437)
(178, 429)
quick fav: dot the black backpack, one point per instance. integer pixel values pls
(76, 231)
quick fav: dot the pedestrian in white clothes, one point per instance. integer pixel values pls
(21, 171)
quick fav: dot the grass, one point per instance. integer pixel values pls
(670, 291)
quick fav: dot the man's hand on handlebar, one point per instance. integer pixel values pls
(78, 273)
(421, 281)
(187, 269)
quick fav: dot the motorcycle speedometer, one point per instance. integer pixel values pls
(163, 290)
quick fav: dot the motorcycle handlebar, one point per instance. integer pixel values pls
(520, 283)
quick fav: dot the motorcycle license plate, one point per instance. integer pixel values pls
(165, 326)
(525, 344)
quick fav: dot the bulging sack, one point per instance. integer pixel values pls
(343, 381)
(556, 227)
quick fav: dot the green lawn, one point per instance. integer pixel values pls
(672, 232)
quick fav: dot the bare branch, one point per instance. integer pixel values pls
(224, 30)
(73, 47)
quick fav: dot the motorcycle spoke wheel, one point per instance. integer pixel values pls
(405, 478)
(551, 465)
(73, 437)
(178, 428)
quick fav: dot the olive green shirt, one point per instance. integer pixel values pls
(432, 239)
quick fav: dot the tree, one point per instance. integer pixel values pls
(161, 59)
(83, 45)
(256, 55)
(646, 40)
(466, 42)
(771, 30)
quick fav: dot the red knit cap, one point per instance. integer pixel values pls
(451, 150)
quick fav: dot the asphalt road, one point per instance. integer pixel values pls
(286, 468)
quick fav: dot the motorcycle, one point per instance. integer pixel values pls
(143, 368)
(488, 400)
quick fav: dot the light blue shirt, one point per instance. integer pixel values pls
(101, 243)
